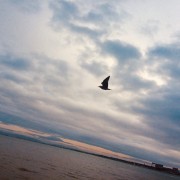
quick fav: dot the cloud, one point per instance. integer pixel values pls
(16, 120)
(161, 112)
(131, 81)
(94, 67)
(15, 63)
(120, 50)
(150, 28)
(66, 14)
(128, 67)
(104, 14)
(31, 6)
(44, 75)
(159, 108)
(12, 77)
(64, 11)
(87, 18)
(171, 52)
(166, 57)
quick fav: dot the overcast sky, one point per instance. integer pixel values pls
(55, 53)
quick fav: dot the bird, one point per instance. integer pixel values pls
(105, 84)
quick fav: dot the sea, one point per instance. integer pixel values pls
(77, 165)
(21, 159)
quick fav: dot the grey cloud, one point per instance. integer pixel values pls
(93, 33)
(25, 122)
(120, 50)
(171, 52)
(162, 121)
(63, 67)
(64, 11)
(162, 113)
(30, 6)
(165, 107)
(51, 72)
(159, 108)
(34, 69)
(47, 76)
(94, 67)
(167, 56)
(105, 13)
(43, 62)
(170, 69)
(83, 18)
(133, 82)
(67, 14)
(15, 62)
(150, 28)
(12, 77)
(128, 78)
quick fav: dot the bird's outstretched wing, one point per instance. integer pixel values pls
(105, 82)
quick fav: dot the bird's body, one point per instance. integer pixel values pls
(105, 84)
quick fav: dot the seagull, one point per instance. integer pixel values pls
(105, 84)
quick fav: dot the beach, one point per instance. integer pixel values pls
(21, 159)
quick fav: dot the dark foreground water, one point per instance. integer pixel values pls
(21, 159)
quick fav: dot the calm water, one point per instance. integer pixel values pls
(21, 159)
(82, 166)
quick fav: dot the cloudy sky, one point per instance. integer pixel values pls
(55, 53)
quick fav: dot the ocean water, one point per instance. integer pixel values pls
(21, 159)
(83, 166)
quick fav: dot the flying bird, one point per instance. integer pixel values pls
(105, 84)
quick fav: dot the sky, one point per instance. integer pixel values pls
(55, 53)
